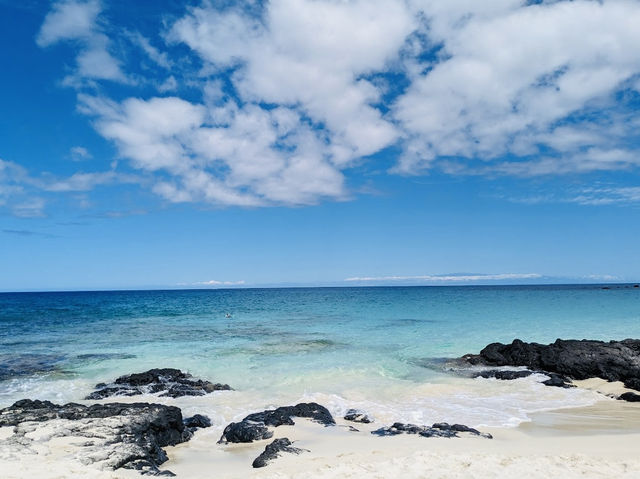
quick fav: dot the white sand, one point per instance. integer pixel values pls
(595, 441)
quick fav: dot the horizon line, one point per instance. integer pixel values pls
(633, 284)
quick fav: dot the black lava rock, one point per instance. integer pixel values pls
(436, 430)
(272, 451)
(558, 381)
(630, 397)
(245, 431)
(613, 360)
(357, 416)
(633, 383)
(131, 438)
(171, 382)
(502, 374)
(197, 421)
(254, 426)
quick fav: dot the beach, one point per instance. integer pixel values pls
(595, 441)
(392, 353)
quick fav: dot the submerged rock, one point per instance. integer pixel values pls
(504, 375)
(272, 451)
(576, 359)
(357, 416)
(129, 436)
(442, 429)
(12, 366)
(556, 380)
(171, 382)
(254, 426)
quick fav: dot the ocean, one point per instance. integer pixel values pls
(379, 349)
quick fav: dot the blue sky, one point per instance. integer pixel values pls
(300, 142)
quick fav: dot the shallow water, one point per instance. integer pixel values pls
(343, 347)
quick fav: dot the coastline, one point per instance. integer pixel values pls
(593, 441)
(114, 429)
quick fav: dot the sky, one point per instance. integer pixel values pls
(186, 144)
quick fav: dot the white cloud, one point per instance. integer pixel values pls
(31, 208)
(310, 55)
(607, 196)
(12, 183)
(232, 155)
(80, 153)
(447, 278)
(507, 76)
(293, 92)
(69, 20)
(85, 181)
(170, 84)
(157, 56)
(77, 20)
(308, 58)
(22, 193)
(213, 282)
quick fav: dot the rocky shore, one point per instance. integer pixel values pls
(123, 435)
(130, 436)
(565, 360)
(170, 382)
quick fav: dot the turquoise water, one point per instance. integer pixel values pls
(345, 346)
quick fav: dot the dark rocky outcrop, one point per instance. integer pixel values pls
(254, 426)
(273, 450)
(575, 359)
(630, 397)
(558, 381)
(196, 421)
(632, 383)
(442, 429)
(245, 431)
(171, 382)
(119, 435)
(357, 416)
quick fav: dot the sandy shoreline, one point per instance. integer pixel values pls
(594, 441)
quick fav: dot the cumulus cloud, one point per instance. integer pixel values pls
(516, 80)
(69, 20)
(76, 20)
(237, 155)
(285, 96)
(312, 55)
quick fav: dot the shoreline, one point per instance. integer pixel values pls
(591, 441)
(113, 434)
(585, 441)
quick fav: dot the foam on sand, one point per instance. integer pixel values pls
(568, 443)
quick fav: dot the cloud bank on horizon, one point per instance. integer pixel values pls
(275, 103)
